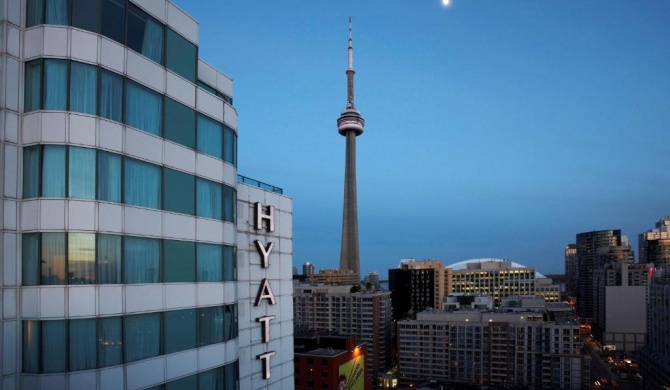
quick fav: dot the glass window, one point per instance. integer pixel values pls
(34, 12)
(179, 123)
(81, 258)
(33, 91)
(181, 56)
(30, 275)
(109, 259)
(54, 349)
(229, 322)
(229, 203)
(55, 85)
(109, 177)
(230, 145)
(57, 12)
(143, 108)
(53, 258)
(81, 183)
(31, 347)
(83, 343)
(110, 342)
(210, 263)
(113, 22)
(211, 379)
(31, 172)
(141, 260)
(141, 335)
(186, 383)
(179, 330)
(53, 171)
(229, 263)
(206, 87)
(83, 88)
(210, 325)
(210, 137)
(178, 192)
(142, 184)
(111, 96)
(210, 197)
(231, 376)
(145, 34)
(86, 14)
(179, 261)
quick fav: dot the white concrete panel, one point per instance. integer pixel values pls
(112, 378)
(145, 373)
(286, 268)
(286, 328)
(211, 356)
(242, 193)
(110, 300)
(285, 225)
(30, 382)
(285, 245)
(180, 157)
(145, 71)
(229, 174)
(10, 382)
(52, 302)
(179, 295)
(10, 213)
(111, 135)
(143, 298)
(13, 44)
(9, 354)
(81, 301)
(180, 89)
(142, 221)
(243, 224)
(181, 22)
(81, 215)
(229, 292)
(12, 77)
(232, 347)
(11, 171)
(210, 105)
(242, 241)
(244, 313)
(243, 289)
(210, 294)
(11, 126)
(33, 42)
(55, 41)
(244, 338)
(53, 382)
(144, 145)
(285, 287)
(83, 380)
(243, 269)
(209, 230)
(286, 303)
(14, 12)
(153, 7)
(110, 217)
(286, 204)
(53, 127)
(181, 364)
(209, 167)
(245, 369)
(287, 383)
(84, 46)
(52, 214)
(257, 195)
(229, 233)
(179, 226)
(9, 303)
(9, 253)
(230, 116)
(32, 128)
(207, 73)
(224, 84)
(82, 130)
(112, 55)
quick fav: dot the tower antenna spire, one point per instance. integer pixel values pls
(350, 70)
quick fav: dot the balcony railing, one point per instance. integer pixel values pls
(259, 184)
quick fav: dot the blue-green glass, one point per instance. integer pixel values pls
(179, 330)
(178, 192)
(181, 56)
(179, 123)
(178, 261)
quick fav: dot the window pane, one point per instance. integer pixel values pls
(30, 274)
(81, 258)
(231, 375)
(186, 383)
(55, 84)
(206, 87)
(141, 260)
(34, 13)
(53, 172)
(83, 88)
(229, 201)
(181, 56)
(111, 96)
(210, 325)
(141, 336)
(82, 173)
(109, 177)
(86, 14)
(142, 184)
(33, 91)
(53, 258)
(82, 344)
(109, 259)
(210, 137)
(179, 330)
(179, 192)
(209, 199)
(54, 350)
(57, 12)
(110, 343)
(31, 172)
(114, 12)
(229, 263)
(179, 258)
(211, 379)
(143, 108)
(210, 263)
(230, 145)
(31, 347)
(145, 34)
(179, 123)
(229, 322)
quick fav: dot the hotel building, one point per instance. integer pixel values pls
(131, 256)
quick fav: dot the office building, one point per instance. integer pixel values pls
(335, 276)
(128, 252)
(571, 270)
(415, 286)
(654, 245)
(308, 269)
(372, 280)
(654, 357)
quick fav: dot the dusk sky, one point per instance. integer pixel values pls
(493, 128)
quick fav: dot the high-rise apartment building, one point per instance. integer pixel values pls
(571, 270)
(654, 245)
(131, 256)
(655, 355)
(415, 286)
(307, 269)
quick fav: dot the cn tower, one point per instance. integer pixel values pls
(350, 125)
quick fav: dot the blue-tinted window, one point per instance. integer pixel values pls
(210, 263)
(141, 260)
(52, 259)
(54, 348)
(83, 344)
(210, 196)
(186, 383)
(179, 123)
(229, 322)
(230, 145)
(231, 375)
(33, 89)
(142, 336)
(229, 203)
(145, 34)
(181, 56)
(31, 172)
(229, 263)
(179, 330)
(211, 379)
(143, 108)
(110, 342)
(210, 325)
(210, 136)
(179, 261)
(109, 259)
(81, 258)
(86, 14)
(83, 88)
(30, 268)
(113, 21)
(111, 96)
(81, 183)
(55, 85)
(109, 177)
(57, 12)
(34, 12)
(53, 171)
(31, 347)
(179, 192)
(142, 184)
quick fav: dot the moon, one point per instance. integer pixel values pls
(446, 2)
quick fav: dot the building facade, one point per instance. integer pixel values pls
(571, 270)
(415, 286)
(654, 357)
(129, 255)
(654, 245)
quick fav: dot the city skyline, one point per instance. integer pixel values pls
(493, 129)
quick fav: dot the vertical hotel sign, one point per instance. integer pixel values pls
(265, 218)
